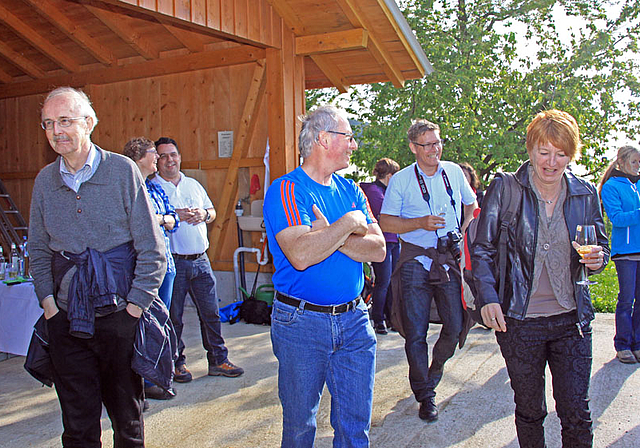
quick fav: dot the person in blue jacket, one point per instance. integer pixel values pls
(619, 192)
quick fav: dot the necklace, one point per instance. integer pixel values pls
(546, 201)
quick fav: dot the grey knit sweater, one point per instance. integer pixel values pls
(110, 209)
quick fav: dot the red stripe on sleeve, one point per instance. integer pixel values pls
(295, 212)
(283, 197)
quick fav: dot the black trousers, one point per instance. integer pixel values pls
(527, 346)
(90, 372)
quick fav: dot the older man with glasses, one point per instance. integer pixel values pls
(97, 259)
(320, 229)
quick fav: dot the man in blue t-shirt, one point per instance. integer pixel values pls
(320, 230)
(423, 204)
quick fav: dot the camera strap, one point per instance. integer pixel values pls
(425, 192)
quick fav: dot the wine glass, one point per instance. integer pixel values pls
(440, 209)
(586, 238)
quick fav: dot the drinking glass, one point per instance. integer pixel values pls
(440, 209)
(586, 238)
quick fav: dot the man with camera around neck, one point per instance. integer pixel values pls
(423, 204)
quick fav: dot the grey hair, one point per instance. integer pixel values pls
(81, 99)
(324, 118)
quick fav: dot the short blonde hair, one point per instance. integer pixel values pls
(556, 127)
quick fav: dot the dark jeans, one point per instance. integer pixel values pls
(417, 294)
(628, 309)
(90, 372)
(382, 296)
(527, 346)
(196, 277)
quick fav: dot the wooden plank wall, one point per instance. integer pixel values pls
(190, 107)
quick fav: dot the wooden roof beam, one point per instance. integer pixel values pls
(332, 42)
(289, 16)
(332, 72)
(383, 58)
(359, 20)
(21, 62)
(38, 41)
(186, 38)
(5, 77)
(158, 67)
(123, 29)
(57, 18)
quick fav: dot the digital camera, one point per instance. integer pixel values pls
(450, 242)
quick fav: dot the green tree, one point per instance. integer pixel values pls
(484, 91)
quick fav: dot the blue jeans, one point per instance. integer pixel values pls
(196, 277)
(317, 348)
(417, 293)
(527, 346)
(382, 296)
(166, 288)
(628, 309)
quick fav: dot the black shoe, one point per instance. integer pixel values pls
(380, 328)
(145, 406)
(428, 410)
(182, 375)
(390, 327)
(158, 393)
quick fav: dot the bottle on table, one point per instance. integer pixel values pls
(24, 259)
(15, 261)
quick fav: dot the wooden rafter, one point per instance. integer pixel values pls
(240, 150)
(289, 16)
(359, 20)
(186, 38)
(120, 27)
(57, 18)
(332, 72)
(332, 42)
(37, 41)
(165, 66)
(5, 77)
(21, 62)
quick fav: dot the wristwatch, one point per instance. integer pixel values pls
(206, 215)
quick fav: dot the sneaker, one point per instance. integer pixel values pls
(636, 353)
(145, 406)
(182, 375)
(380, 328)
(227, 368)
(158, 393)
(428, 410)
(626, 356)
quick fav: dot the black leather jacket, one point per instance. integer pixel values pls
(581, 206)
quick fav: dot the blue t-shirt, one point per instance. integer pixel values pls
(335, 280)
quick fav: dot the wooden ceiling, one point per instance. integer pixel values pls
(45, 43)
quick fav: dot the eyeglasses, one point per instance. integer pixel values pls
(166, 155)
(429, 145)
(349, 135)
(47, 125)
(153, 150)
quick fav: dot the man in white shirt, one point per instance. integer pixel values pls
(423, 204)
(193, 269)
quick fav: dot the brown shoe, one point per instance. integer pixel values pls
(626, 356)
(227, 368)
(182, 375)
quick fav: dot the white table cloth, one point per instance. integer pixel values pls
(19, 311)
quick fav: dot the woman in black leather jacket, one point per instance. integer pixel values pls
(545, 316)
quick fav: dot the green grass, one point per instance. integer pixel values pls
(605, 294)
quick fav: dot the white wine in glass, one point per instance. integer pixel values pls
(587, 240)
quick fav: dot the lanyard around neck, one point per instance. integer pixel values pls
(425, 192)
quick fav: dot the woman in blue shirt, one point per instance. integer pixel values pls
(619, 191)
(143, 151)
